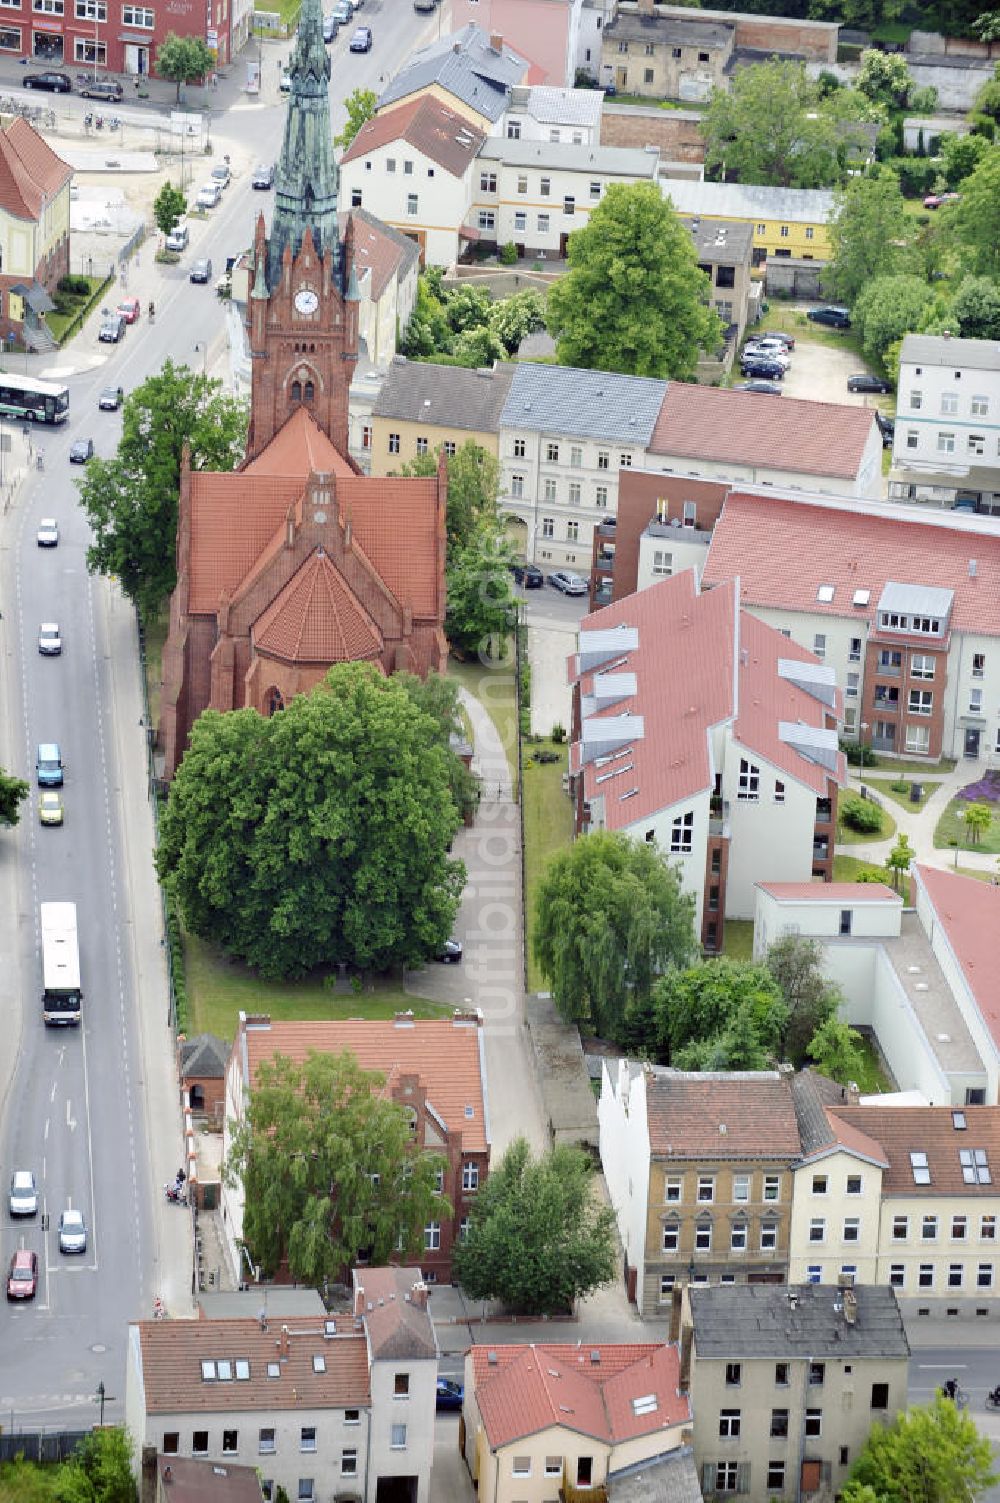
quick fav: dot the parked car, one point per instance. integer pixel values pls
(835, 318)
(767, 352)
(112, 329)
(107, 89)
(55, 83)
(286, 82)
(111, 399)
(450, 1394)
(762, 365)
(72, 1232)
(50, 809)
(865, 382)
(887, 428)
(361, 41)
(201, 270)
(80, 450)
(343, 12)
(23, 1192)
(222, 175)
(47, 535)
(129, 309)
(331, 26)
(568, 582)
(451, 954)
(528, 575)
(935, 200)
(49, 765)
(208, 195)
(768, 388)
(788, 340)
(263, 176)
(49, 640)
(22, 1275)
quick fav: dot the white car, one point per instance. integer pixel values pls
(208, 195)
(772, 348)
(49, 640)
(221, 174)
(23, 1193)
(47, 535)
(72, 1232)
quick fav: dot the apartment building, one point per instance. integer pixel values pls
(541, 112)
(647, 498)
(664, 57)
(698, 727)
(899, 601)
(421, 409)
(471, 71)
(787, 1382)
(786, 222)
(947, 444)
(724, 253)
(699, 1172)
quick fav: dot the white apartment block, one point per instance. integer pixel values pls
(947, 444)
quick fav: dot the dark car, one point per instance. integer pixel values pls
(330, 28)
(449, 1394)
(887, 428)
(108, 89)
(568, 582)
(768, 388)
(528, 575)
(263, 176)
(865, 382)
(451, 954)
(111, 399)
(112, 329)
(80, 450)
(201, 270)
(835, 318)
(22, 1275)
(55, 83)
(361, 41)
(762, 365)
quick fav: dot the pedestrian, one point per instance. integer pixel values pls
(215, 80)
(136, 82)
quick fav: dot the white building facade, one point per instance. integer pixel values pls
(947, 441)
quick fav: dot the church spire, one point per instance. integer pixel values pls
(306, 180)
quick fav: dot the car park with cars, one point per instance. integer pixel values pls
(23, 1193)
(111, 399)
(762, 365)
(568, 582)
(833, 317)
(361, 41)
(22, 1275)
(49, 639)
(50, 809)
(47, 535)
(864, 381)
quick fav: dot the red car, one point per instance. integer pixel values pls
(128, 309)
(22, 1276)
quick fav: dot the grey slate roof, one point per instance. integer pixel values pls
(672, 1478)
(935, 349)
(584, 404)
(810, 1094)
(720, 241)
(204, 1055)
(786, 1321)
(465, 65)
(563, 156)
(448, 396)
(749, 201)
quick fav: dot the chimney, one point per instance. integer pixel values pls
(283, 1344)
(496, 41)
(418, 1295)
(853, 1092)
(850, 1307)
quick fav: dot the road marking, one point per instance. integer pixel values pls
(46, 1134)
(70, 1119)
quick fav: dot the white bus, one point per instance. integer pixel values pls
(60, 964)
(34, 401)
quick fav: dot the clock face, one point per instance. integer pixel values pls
(306, 301)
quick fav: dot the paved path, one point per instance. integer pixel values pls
(919, 824)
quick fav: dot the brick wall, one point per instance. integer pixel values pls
(675, 132)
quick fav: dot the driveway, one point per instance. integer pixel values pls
(820, 374)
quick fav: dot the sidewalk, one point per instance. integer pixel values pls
(919, 824)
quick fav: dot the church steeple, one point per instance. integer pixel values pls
(307, 180)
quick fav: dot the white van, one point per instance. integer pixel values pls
(179, 236)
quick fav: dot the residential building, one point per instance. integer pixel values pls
(326, 1406)
(786, 222)
(34, 228)
(421, 409)
(108, 40)
(546, 32)
(434, 1067)
(471, 71)
(946, 448)
(922, 133)
(178, 1479)
(898, 600)
(201, 1069)
(787, 1383)
(724, 753)
(546, 1421)
(565, 435)
(959, 916)
(724, 255)
(699, 1171)
(649, 500)
(544, 113)
(387, 263)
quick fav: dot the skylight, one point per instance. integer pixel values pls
(242, 1370)
(208, 1371)
(319, 1363)
(975, 1166)
(862, 597)
(958, 1121)
(274, 1369)
(825, 593)
(224, 1371)
(921, 1170)
(644, 1405)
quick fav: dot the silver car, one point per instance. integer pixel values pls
(72, 1232)
(48, 533)
(49, 640)
(23, 1193)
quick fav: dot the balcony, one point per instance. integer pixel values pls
(607, 529)
(718, 816)
(604, 563)
(602, 594)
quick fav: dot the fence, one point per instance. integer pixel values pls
(40, 1445)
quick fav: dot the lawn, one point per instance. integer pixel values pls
(886, 830)
(653, 104)
(883, 787)
(58, 321)
(737, 939)
(951, 830)
(548, 828)
(872, 1081)
(493, 686)
(218, 989)
(904, 768)
(850, 869)
(788, 320)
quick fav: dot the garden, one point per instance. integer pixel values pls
(972, 819)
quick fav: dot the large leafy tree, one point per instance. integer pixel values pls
(473, 489)
(329, 1169)
(722, 1015)
(976, 308)
(320, 835)
(870, 235)
(634, 299)
(809, 998)
(168, 206)
(13, 791)
(131, 500)
(770, 127)
(437, 695)
(976, 217)
(481, 599)
(931, 1453)
(538, 1238)
(885, 78)
(360, 105)
(835, 1049)
(610, 917)
(889, 307)
(183, 59)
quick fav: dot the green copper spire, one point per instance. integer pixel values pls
(306, 181)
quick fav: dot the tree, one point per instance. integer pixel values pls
(835, 1049)
(437, 695)
(978, 818)
(13, 791)
(898, 860)
(168, 206)
(473, 489)
(481, 599)
(329, 1169)
(320, 835)
(976, 308)
(512, 319)
(360, 105)
(100, 1470)
(538, 1237)
(962, 155)
(131, 500)
(870, 235)
(931, 1453)
(810, 999)
(183, 59)
(610, 916)
(889, 307)
(769, 126)
(885, 78)
(723, 1014)
(976, 217)
(634, 299)
(987, 26)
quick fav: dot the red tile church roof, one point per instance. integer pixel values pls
(316, 618)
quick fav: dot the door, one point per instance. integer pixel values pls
(136, 59)
(972, 739)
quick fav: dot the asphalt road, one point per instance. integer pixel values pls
(74, 1110)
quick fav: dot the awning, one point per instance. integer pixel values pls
(146, 41)
(35, 296)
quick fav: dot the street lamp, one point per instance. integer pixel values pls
(102, 1397)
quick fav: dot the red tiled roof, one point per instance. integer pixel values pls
(783, 550)
(317, 618)
(527, 1389)
(299, 448)
(902, 1130)
(850, 1135)
(428, 126)
(686, 1113)
(30, 172)
(377, 248)
(830, 892)
(444, 1054)
(805, 438)
(969, 913)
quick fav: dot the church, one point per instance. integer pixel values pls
(296, 561)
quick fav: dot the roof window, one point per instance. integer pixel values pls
(208, 1371)
(242, 1370)
(921, 1170)
(958, 1121)
(319, 1363)
(644, 1405)
(825, 593)
(975, 1167)
(862, 597)
(274, 1369)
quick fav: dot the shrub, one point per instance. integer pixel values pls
(858, 755)
(558, 734)
(917, 175)
(985, 791)
(525, 722)
(858, 814)
(900, 786)
(508, 254)
(73, 286)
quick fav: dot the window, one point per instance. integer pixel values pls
(925, 1276)
(545, 187)
(703, 1236)
(356, 195)
(922, 665)
(487, 219)
(487, 182)
(550, 490)
(519, 448)
(920, 702)
(768, 1236)
(681, 835)
(401, 1385)
(897, 1275)
(978, 664)
(575, 493)
(513, 130)
(137, 15)
(572, 532)
(817, 1229)
(749, 781)
(667, 1281)
(854, 654)
(852, 1229)
(733, 1374)
(916, 400)
(449, 447)
(552, 453)
(949, 403)
(979, 406)
(780, 1376)
(819, 644)
(976, 443)
(90, 10)
(522, 183)
(470, 1177)
(900, 1228)
(543, 224)
(772, 1186)
(738, 1237)
(199, 1443)
(955, 1275)
(625, 461)
(352, 1416)
(817, 1374)
(171, 1442)
(663, 563)
(390, 164)
(576, 456)
(814, 1423)
(921, 1172)
(928, 1229)
(776, 1475)
(569, 205)
(975, 1168)
(851, 689)
(729, 1424)
(959, 1228)
(918, 739)
(421, 446)
(393, 443)
(984, 1276)
(726, 1476)
(880, 1395)
(595, 188)
(517, 487)
(673, 1191)
(779, 791)
(432, 1236)
(741, 1187)
(349, 1462)
(987, 1228)
(553, 1466)
(548, 527)
(820, 1184)
(306, 1490)
(520, 220)
(397, 1440)
(779, 1424)
(855, 1184)
(307, 1438)
(706, 1187)
(521, 1466)
(412, 205)
(265, 1442)
(671, 1236)
(408, 169)
(946, 443)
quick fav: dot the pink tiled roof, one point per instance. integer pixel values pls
(902, 1130)
(30, 172)
(784, 550)
(969, 912)
(300, 448)
(830, 892)
(430, 127)
(317, 618)
(806, 438)
(527, 1389)
(850, 1135)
